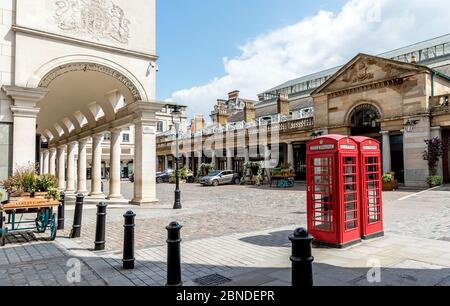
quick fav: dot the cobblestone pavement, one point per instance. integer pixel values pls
(207, 212)
(240, 232)
(262, 259)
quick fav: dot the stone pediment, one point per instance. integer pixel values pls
(365, 69)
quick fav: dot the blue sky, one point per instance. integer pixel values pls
(208, 48)
(194, 35)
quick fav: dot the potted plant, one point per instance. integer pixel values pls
(27, 180)
(44, 183)
(389, 182)
(433, 153)
(53, 193)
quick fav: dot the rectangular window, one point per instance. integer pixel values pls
(5, 150)
(160, 126)
(126, 137)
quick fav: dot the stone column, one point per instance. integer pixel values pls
(214, 159)
(416, 168)
(52, 162)
(200, 159)
(24, 112)
(188, 157)
(230, 153)
(81, 169)
(114, 168)
(70, 183)
(193, 163)
(436, 133)
(96, 172)
(247, 154)
(61, 167)
(387, 165)
(166, 162)
(144, 164)
(290, 155)
(45, 162)
(41, 162)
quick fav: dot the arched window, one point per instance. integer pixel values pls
(365, 119)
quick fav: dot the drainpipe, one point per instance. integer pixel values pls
(433, 74)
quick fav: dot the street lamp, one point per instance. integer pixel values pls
(176, 120)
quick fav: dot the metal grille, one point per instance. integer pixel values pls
(212, 280)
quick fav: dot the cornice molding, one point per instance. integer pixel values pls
(21, 29)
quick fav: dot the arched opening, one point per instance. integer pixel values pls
(82, 98)
(365, 121)
(80, 94)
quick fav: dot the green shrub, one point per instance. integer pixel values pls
(434, 180)
(183, 173)
(388, 178)
(54, 193)
(203, 170)
(46, 182)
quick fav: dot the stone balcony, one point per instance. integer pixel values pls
(284, 125)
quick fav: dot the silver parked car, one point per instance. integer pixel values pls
(220, 177)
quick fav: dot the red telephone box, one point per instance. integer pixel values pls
(371, 188)
(333, 190)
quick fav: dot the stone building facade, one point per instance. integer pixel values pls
(399, 98)
(78, 92)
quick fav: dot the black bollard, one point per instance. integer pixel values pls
(173, 255)
(61, 211)
(100, 228)
(76, 228)
(302, 275)
(128, 241)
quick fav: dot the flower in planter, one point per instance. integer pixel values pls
(46, 182)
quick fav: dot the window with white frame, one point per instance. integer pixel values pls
(160, 126)
(125, 137)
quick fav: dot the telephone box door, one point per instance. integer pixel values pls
(371, 189)
(349, 185)
(321, 192)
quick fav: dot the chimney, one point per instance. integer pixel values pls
(233, 95)
(249, 111)
(283, 104)
(220, 114)
(198, 123)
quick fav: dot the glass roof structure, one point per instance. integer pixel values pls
(431, 52)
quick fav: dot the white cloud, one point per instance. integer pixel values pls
(319, 42)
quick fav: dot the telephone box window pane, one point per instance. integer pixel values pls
(350, 195)
(322, 194)
(373, 186)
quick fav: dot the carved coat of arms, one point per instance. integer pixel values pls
(359, 73)
(98, 18)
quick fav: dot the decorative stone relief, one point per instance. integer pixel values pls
(94, 68)
(100, 19)
(359, 73)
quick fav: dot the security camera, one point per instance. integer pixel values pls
(154, 65)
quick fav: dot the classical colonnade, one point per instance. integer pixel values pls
(61, 161)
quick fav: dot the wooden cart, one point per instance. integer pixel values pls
(11, 215)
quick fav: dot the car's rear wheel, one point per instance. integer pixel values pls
(159, 180)
(215, 183)
(237, 181)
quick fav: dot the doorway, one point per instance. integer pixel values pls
(397, 157)
(365, 121)
(300, 161)
(446, 155)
